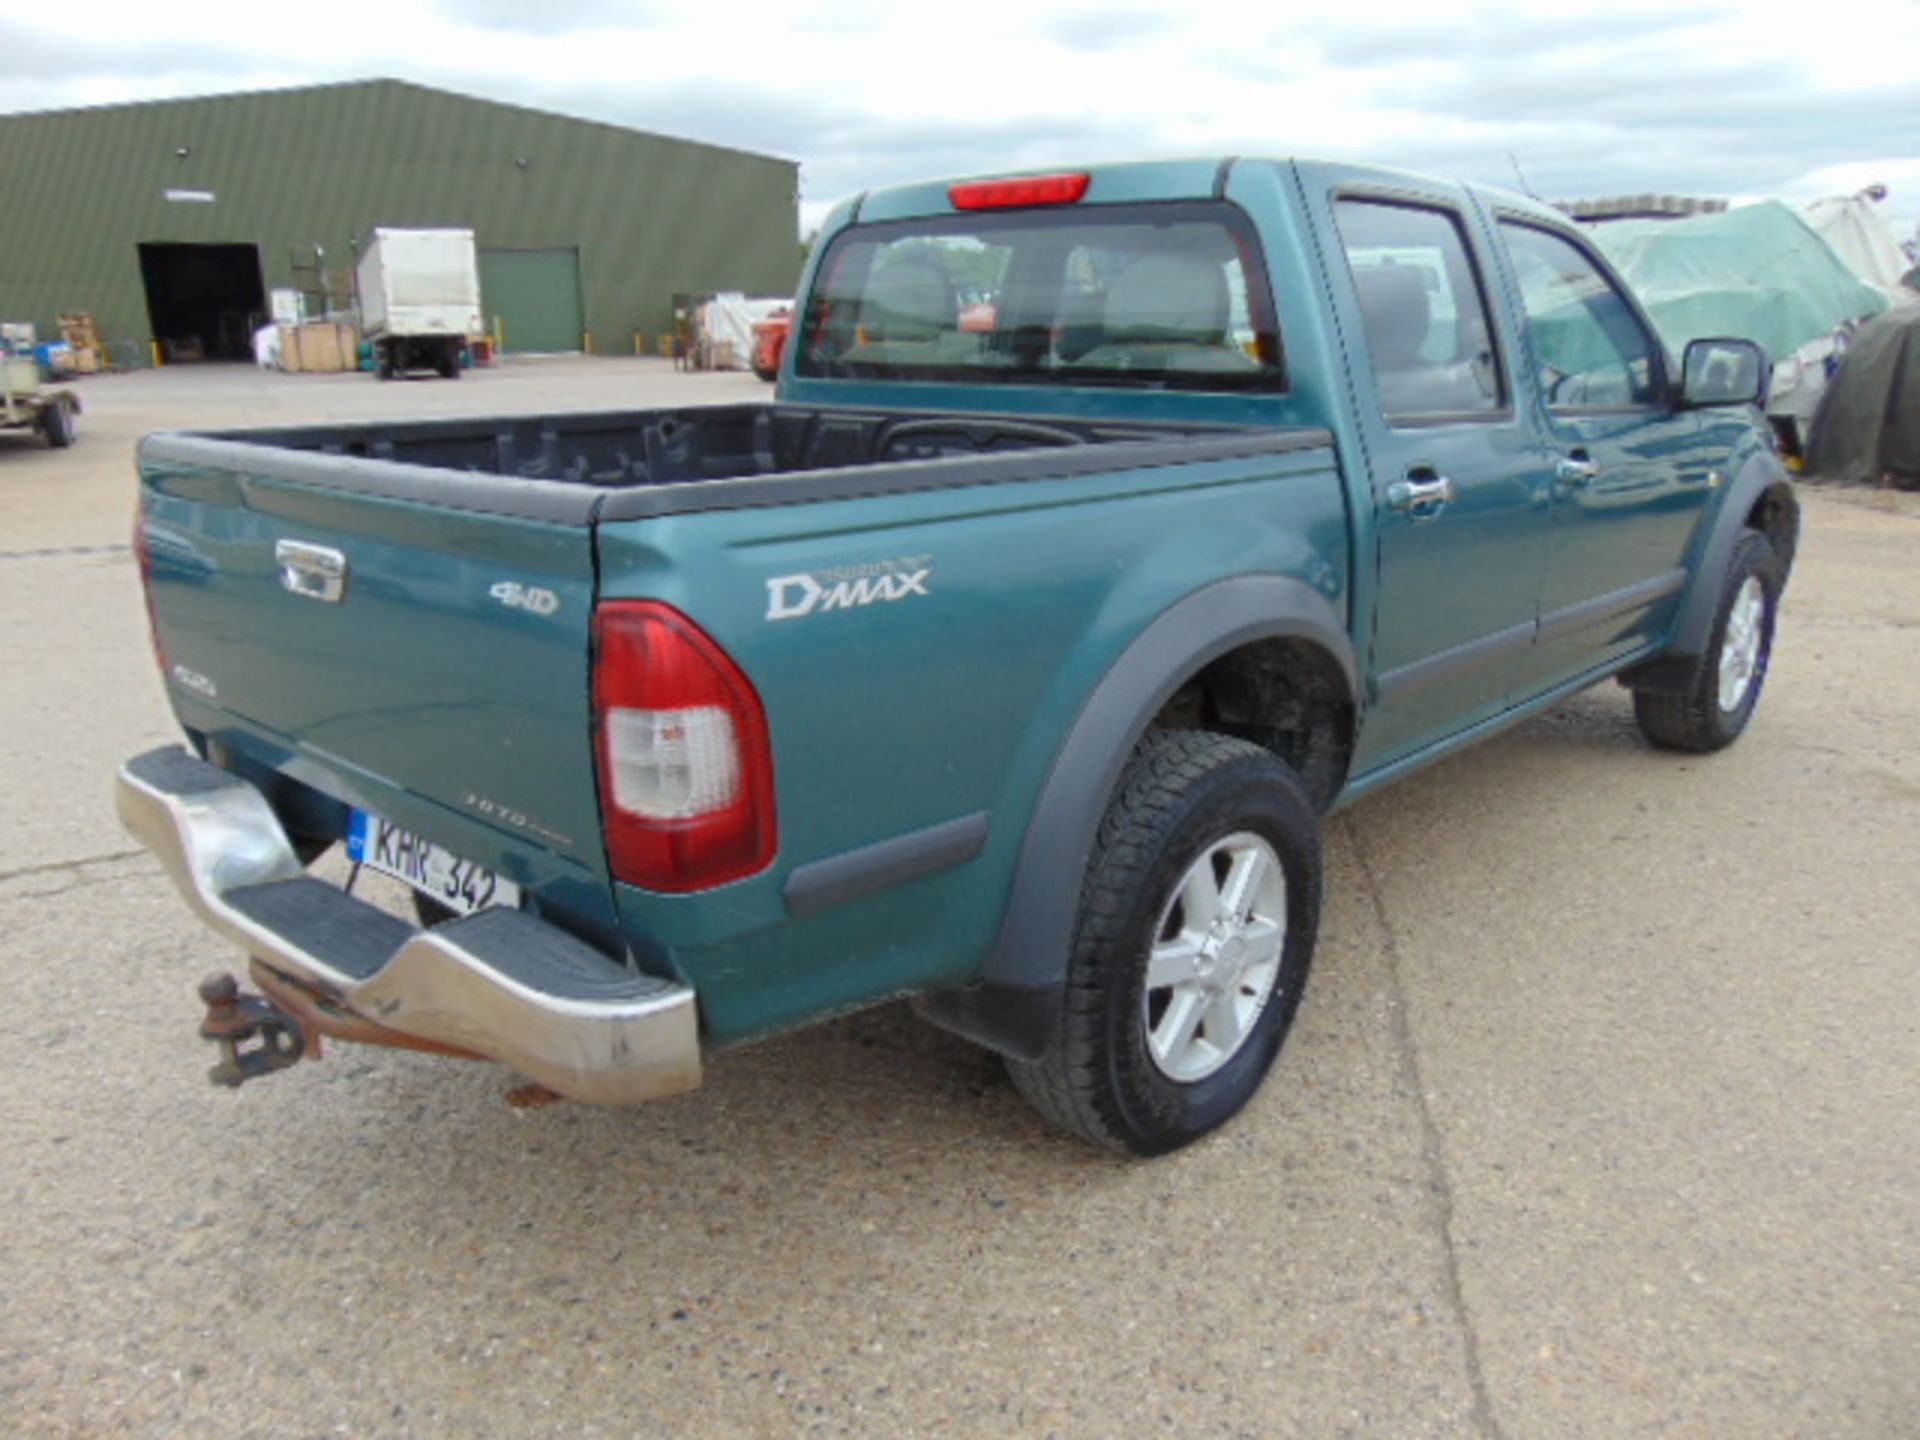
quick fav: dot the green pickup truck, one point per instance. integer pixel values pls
(1007, 664)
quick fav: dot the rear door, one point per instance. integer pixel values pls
(428, 662)
(1461, 516)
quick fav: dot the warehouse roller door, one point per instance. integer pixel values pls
(532, 299)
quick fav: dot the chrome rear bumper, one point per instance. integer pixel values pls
(502, 983)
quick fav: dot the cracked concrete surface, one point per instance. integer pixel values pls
(1432, 1146)
(1600, 1118)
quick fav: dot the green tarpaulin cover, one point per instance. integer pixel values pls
(1757, 273)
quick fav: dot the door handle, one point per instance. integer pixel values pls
(1577, 470)
(1421, 498)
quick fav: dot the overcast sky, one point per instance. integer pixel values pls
(1625, 96)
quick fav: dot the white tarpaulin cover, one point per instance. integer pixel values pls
(1859, 235)
(727, 323)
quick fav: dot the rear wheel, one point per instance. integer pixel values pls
(1196, 929)
(1722, 687)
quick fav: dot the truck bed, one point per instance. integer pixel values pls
(582, 467)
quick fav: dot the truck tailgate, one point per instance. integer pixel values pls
(442, 672)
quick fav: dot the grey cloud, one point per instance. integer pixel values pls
(549, 17)
(1106, 29)
(1653, 96)
(842, 148)
(1512, 40)
(34, 62)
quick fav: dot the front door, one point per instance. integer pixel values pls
(1631, 472)
(1462, 511)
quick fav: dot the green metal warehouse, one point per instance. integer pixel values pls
(171, 220)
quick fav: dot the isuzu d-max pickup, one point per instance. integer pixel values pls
(1007, 665)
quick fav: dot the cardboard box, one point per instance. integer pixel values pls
(318, 348)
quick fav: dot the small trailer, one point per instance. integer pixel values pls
(25, 403)
(419, 299)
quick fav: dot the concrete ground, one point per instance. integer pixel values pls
(1602, 1117)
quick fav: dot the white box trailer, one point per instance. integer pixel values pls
(419, 299)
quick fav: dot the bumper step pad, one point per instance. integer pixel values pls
(501, 983)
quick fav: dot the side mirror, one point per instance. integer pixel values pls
(1723, 372)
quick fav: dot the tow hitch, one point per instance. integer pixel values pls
(284, 1024)
(255, 1037)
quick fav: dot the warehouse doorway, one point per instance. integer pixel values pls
(532, 299)
(204, 301)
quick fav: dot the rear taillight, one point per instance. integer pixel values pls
(1018, 191)
(143, 557)
(686, 770)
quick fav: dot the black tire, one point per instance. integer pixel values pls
(1696, 718)
(56, 423)
(1186, 795)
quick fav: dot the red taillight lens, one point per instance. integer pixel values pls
(1013, 193)
(686, 769)
(143, 556)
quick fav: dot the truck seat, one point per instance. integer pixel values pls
(1168, 312)
(910, 300)
(1399, 321)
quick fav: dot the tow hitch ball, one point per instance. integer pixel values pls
(255, 1037)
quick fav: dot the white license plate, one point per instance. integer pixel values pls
(460, 885)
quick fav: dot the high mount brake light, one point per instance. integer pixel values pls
(1019, 191)
(686, 768)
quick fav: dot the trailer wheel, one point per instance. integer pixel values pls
(56, 423)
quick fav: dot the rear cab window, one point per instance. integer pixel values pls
(1159, 296)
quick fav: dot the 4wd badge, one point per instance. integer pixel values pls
(847, 587)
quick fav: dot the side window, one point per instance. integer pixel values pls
(1426, 318)
(1593, 352)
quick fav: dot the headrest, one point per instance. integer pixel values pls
(1169, 298)
(1393, 298)
(910, 300)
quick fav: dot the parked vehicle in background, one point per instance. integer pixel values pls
(25, 403)
(1010, 668)
(770, 342)
(419, 299)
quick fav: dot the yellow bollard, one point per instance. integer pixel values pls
(155, 344)
(586, 341)
(499, 336)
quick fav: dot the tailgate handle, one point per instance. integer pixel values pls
(311, 570)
